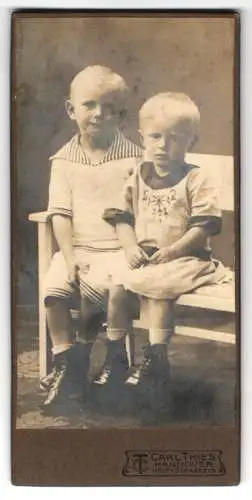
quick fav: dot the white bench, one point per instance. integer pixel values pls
(222, 169)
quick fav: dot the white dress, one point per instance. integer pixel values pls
(162, 216)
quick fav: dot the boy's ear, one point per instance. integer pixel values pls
(69, 109)
(141, 137)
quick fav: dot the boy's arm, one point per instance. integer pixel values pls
(60, 208)
(62, 227)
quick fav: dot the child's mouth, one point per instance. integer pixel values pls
(95, 124)
(162, 156)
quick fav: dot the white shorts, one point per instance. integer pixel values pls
(96, 270)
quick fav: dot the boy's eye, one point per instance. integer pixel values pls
(155, 136)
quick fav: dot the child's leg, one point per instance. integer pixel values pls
(119, 320)
(155, 362)
(92, 318)
(161, 320)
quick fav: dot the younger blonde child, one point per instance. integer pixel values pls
(172, 208)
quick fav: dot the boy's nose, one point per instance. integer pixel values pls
(165, 143)
(162, 143)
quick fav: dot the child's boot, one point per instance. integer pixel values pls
(69, 381)
(115, 367)
(153, 374)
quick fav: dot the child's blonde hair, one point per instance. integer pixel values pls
(176, 101)
(104, 78)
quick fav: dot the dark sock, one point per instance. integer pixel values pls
(116, 349)
(159, 350)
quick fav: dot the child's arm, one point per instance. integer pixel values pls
(134, 254)
(193, 239)
(123, 220)
(204, 220)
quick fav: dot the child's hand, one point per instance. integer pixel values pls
(72, 269)
(135, 256)
(161, 256)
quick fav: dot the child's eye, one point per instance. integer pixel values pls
(89, 104)
(109, 107)
(175, 137)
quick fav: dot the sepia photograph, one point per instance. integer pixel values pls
(125, 230)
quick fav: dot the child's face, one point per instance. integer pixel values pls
(93, 109)
(166, 139)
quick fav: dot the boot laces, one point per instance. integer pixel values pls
(56, 384)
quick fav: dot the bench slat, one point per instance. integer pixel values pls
(207, 302)
(200, 333)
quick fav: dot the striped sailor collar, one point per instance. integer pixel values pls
(120, 148)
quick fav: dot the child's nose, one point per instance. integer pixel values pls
(98, 110)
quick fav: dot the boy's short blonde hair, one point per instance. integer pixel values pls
(105, 79)
(177, 102)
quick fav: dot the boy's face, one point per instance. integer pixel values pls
(93, 109)
(166, 139)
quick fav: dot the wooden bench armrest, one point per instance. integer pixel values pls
(46, 248)
(39, 217)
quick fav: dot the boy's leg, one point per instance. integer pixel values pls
(68, 380)
(59, 324)
(65, 381)
(155, 362)
(119, 321)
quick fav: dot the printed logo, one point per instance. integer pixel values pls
(173, 463)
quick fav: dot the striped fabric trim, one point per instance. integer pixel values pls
(92, 294)
(120, 148)
(59, 292)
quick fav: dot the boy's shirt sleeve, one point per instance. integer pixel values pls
(60, 197)
(204, 202)
(124, 213)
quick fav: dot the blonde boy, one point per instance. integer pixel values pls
(86, 177)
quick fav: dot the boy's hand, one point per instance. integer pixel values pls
(72, 269)
(162, 256)
(135, 256)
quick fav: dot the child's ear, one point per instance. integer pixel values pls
(69, 109)
(193, 142)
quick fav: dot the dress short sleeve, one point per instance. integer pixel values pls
(125, 211)
(204, 203)
(60, 196)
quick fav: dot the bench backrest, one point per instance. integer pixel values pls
(222, 169)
